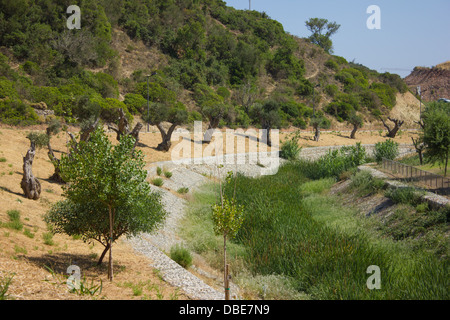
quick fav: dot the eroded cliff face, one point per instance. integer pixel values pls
(434, 82)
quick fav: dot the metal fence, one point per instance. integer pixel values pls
(435, 183)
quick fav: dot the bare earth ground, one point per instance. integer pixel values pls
(27, 257)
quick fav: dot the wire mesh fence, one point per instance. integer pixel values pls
(434, 182)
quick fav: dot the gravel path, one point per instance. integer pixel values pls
(154, 245)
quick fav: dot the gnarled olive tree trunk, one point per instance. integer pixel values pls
(397, 124)
(316, 132)
(56, 176)
(166, 137)
(123, 128)
(353, 133)
(30, 184)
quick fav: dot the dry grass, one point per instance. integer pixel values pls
(445, 65)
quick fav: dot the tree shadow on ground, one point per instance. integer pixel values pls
(59, 262)
(12, 192)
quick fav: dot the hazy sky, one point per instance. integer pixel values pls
(413, 33)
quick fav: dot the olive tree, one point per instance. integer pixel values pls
(357, 122)
(392, 132)
(107, 194)
(212, 107)
(269, 117)
(319, 122)
(53, 128)
(214, 113)
(173, 113)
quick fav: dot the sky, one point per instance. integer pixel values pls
(412, 32)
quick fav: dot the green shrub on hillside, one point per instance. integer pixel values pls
(135, 103)
(15, 112)
(394, 81)
(5, 70)
(157, 92)
(285, 65)
(370, 100)
(242, 119)
(104, 84)
(331, 64)
(30, 67)
(332, 90)
(186, 72)
(352, 78)
(304, 88)
(385, 93)
(340, 109)
(340, 60)
(50, 95)
(8, 89)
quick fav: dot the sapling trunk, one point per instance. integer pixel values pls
(110, 265)
(103, 254)
(446, 164)
(225, 269)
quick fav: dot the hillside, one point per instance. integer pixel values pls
(434, 82)
(204, 54)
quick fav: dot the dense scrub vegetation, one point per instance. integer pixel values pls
(207, 44)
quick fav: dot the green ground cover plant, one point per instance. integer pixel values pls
(181, 255)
